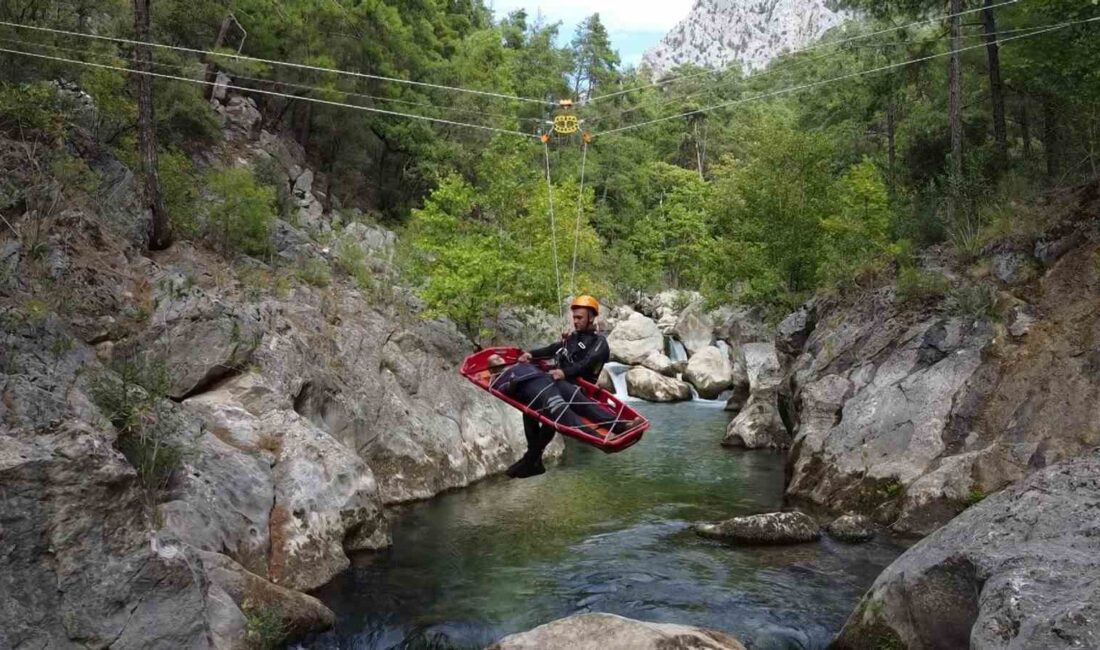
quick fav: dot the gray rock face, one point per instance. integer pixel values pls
(852, 528)
(654, 387)
(941, 409)
(739, 325)
(762, 366)
(792, 332)
(758, 425)
(1011, 268)
(634, 339)
(718, 33)
(769, 528)
(1018, 570)
(710, 371)
(605, 631)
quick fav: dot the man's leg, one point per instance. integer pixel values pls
(532, 458)
(583, 405)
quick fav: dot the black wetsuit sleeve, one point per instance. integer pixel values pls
(547, 352)
(589, 361)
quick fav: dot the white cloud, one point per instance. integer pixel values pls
(617, 15)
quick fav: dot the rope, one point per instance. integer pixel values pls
(553, 229)
(272, 93)
(852, 75)
(577, 229)
(299, 66)
(288, 84)
(808, 48)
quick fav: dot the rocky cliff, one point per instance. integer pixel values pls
(188, 442)
(717, 33)
(911, 412)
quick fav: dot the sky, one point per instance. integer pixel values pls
(634, 25)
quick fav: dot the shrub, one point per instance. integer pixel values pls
(351, 259)
(977, 302)
(315, 272)
(184, 118)
(134, 399)
(241, 216)
(916, 286)
(27, 106)
(266, 629)
(178, 183)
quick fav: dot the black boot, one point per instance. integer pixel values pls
(528, 466)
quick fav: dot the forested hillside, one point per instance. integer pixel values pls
(778, 194)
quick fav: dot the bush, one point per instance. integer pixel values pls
(315, 272)
(241, 216)
(134, 399)
(351, 259)
(178, 184)
(266, 629)
(184, 117)
(27, 106)
(977, 302)
(916, 286)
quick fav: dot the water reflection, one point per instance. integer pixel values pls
(602, 533)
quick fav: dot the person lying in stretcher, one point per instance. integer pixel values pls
(530, 385)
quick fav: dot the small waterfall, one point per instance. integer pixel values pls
(618, 377)
(676, 350)
(724, 347)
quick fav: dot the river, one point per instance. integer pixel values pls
(601, 533)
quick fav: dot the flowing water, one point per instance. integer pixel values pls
(602, 533)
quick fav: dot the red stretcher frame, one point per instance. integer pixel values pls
(476, 369)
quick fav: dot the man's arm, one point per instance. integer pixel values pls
(595, 356)
(547, 352)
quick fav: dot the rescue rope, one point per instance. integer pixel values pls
(553, 230)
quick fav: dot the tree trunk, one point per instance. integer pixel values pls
(1025, 130)
(954, 109)
(996, 86)
(1050, 138)
(209, 74)
(159, 235)
(891, 146)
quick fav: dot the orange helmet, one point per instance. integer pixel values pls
(586, 301)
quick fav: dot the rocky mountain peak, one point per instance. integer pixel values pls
(717, 33)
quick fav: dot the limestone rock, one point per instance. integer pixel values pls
(768, 528)
(1021, 319)
(852, 528)
(710, 371)
(693, 327)
(634, 339)
(606, 631)
(659, 362)
(758, 425)
(1011, 268)
(762, 366)
(654, 387)
(792, 332)
(739, 325)
(1018, 570)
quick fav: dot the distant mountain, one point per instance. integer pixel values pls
(751, 32)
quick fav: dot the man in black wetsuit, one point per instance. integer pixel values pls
(582, 354)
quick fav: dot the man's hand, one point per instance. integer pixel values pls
(557, 374)
(525, 357)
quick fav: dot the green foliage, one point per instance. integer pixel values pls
(315, 272)
(265, 627)
(975, 497)
(242, 211)
(977, 302)
(351, 259)
(27, 107)
(179, 184)
(917, 286)
(133, 396)
(184, 118)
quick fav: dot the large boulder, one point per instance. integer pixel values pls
(710, 371)
(762, 366)
(852, 528)
(768, 528)
(758, 425)
(1018, 570)
(659, 362)
(655, 387)
(739, 325)
(605, 631)
(693, 327)
(634, 339)
(792, 332)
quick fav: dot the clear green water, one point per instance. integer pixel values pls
(603, 533)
